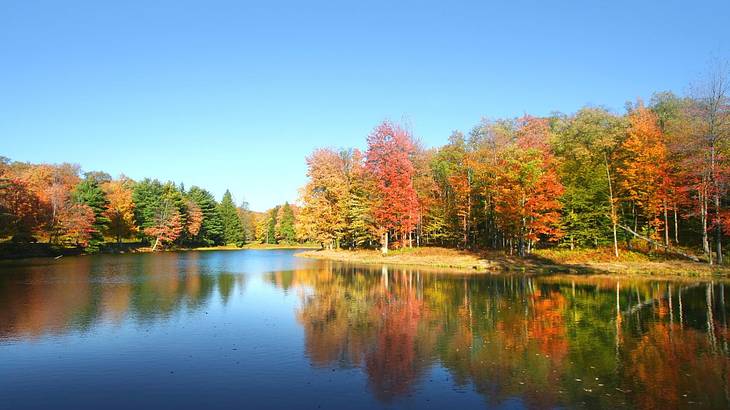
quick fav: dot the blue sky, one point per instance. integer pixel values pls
(235, 94)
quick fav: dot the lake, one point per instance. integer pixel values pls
(264, 329)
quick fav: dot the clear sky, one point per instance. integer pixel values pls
(236, 94)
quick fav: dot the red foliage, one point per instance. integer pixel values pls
(168, 226)
(19, 207)
(75, 222)
(388, 160)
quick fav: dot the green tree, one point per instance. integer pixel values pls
(286, 226)
(584, 145)
(247, 222)
(146, 196)
(271, 227)
(88, 192)
(211, 231)
(232, 227)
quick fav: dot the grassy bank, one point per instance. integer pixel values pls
(432, 257)
(542, 261)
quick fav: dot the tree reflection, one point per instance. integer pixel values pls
(549, 341)
(82, 292)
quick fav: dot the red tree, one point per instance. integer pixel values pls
(389, 162)
(19, 208)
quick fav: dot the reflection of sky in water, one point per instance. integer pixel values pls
(266, 330)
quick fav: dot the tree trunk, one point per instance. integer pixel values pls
(703, 219)
(676, 226)
(384, 249)
(718, 230)
(666, 225)
(614, 218)
(716, 198)
(657, 244)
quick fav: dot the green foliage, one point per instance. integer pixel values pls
(89, 193)
(286, 225)
(212, 230)
(151, 199)
(247, 222)
(583, 144)
(271, 225)
(147, 196)
(233, 232)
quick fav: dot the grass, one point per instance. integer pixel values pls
(585, 261)
(433, 257)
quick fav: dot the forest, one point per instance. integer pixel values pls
(59, 205)
(653, 178)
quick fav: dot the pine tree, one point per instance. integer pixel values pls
(286, 225)
(211, 231)
(232, 228)
(88, 193)
(271, 227)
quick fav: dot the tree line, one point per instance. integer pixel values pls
(56, 203)
(657, 173)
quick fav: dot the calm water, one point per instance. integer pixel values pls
(263, 329)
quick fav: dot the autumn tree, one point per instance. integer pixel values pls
(388, 160)
(166, 224)
(120, 208)
(586, 145)
(19, 209)
(194, 217)
(361, 229)
(528, 207)
(325, 198)
(711, 116)
(644, 174)
(75, 223)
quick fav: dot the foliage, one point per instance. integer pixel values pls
(120, 208)
(232, 228)
(88, 192)
(286, 224)
(212, 230)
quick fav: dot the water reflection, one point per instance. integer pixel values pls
(514, 341)
(549, 341)
(75, 294)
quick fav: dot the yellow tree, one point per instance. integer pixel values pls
(644, 176)
(120, 209)
(325, 198)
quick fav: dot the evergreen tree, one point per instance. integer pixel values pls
(211, 231)
(155, 202)
(271, 228)
(232, 227)
(286, 226)
(147, 196)
(88, 192)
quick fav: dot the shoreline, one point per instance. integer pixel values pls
(495, 263)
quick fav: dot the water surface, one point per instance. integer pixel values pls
(264, 329)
